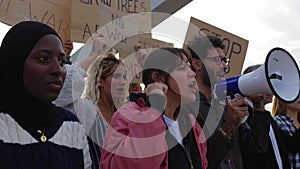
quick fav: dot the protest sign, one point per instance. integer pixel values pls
(134, 61)
(55, 13)
(90, 15)
(235, 46)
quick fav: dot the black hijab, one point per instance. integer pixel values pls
(14, 98)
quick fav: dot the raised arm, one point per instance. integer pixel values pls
(97, 49)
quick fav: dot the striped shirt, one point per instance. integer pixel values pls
(64, 145)
(285, 123)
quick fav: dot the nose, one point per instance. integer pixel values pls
(123, 80)
(57, 68)
(192, 73)
(224, 66)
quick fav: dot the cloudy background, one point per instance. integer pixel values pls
(264, 23)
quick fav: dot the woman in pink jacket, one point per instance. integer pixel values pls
(152, 131)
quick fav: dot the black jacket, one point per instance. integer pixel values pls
(267, 159)
(210, 115)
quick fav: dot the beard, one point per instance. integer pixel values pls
(208, 77)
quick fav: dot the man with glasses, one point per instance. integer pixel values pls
(220, 120)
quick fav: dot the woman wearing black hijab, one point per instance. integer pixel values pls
(34, 133)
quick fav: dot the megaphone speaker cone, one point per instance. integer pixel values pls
(282, 74)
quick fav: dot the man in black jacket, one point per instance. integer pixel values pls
(275, 156)
(221, 120)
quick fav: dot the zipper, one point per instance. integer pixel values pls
(187, 153)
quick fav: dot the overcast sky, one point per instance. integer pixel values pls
(264, 23)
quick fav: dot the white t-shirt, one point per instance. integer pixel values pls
(173, 127)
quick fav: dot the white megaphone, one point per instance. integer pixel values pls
(279, 75)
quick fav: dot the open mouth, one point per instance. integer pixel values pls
(56, 84)
(221, 75)
(193, 86)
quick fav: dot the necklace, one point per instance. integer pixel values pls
(43, 137)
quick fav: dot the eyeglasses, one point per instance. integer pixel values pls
(219, 59)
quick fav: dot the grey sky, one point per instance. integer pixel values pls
(265, 23)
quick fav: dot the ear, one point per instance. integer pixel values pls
(196, 64)
(157, 77)
(100, 82)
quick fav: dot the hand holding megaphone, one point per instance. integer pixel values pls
(237, 113)
(237, 110)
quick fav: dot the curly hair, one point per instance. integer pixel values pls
(102, 67)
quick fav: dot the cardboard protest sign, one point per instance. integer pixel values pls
(134, 61)
(148, 42)
(126, 6)
(235, 47)
(89, 15)
(119, 30)
(145, 41)
(55, 13)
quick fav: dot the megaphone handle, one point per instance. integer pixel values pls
(230, 96)
(248, 102)
(244, 119)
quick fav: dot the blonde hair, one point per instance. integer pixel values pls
(102, 67)
(278, 107)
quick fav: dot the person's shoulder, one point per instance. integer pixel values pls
(281, 117)
(6, 118)
(283, 121)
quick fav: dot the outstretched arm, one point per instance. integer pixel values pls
(97, 49)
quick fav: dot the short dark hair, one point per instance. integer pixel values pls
(200, 45)
(162, 60)
(251, 68)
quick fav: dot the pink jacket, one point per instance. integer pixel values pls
(136, 139)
